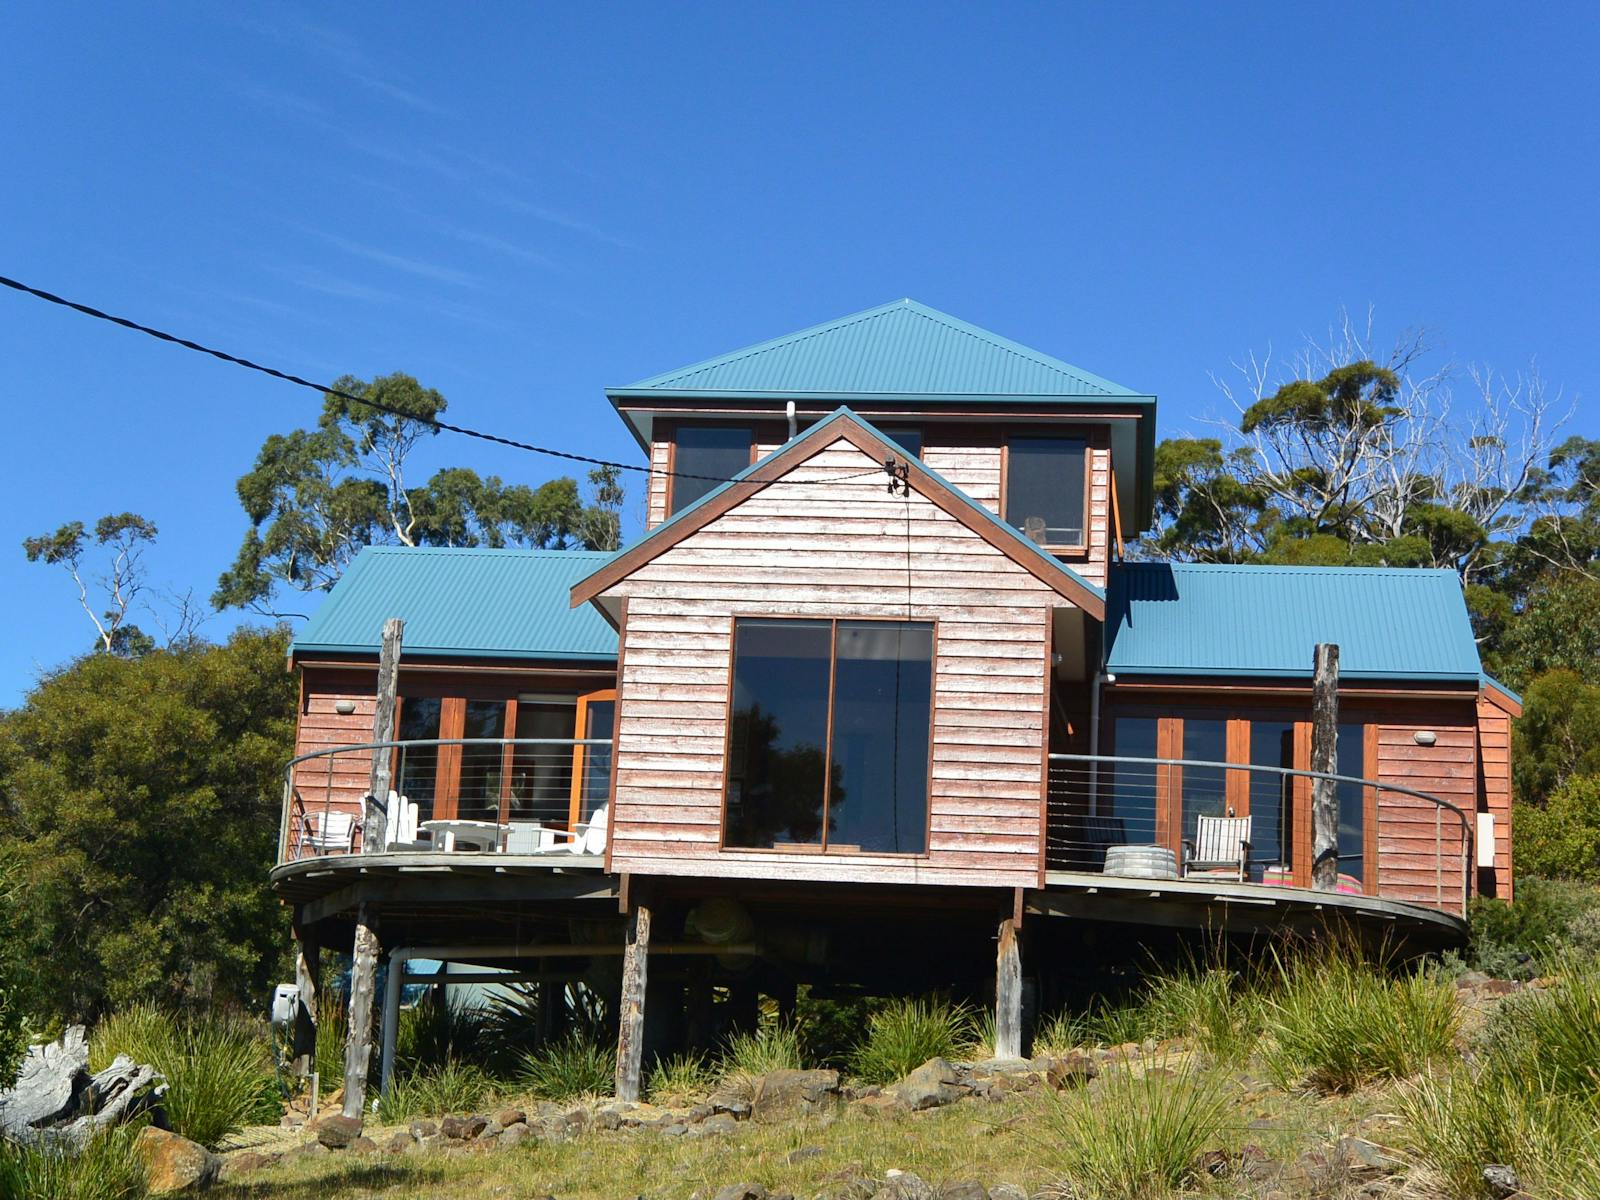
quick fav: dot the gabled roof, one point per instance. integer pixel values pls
(1204, 619)
(462, 603)
(842, 424)
(900, 349)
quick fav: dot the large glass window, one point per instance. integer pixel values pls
(829, 735)
(541, 775)
(717, 452)
(1272, 795)
(1126, 799)
(1045, 488)
(418, 769)
(1204, 788)
(1352, 760)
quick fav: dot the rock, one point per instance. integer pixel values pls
(363, 1145)
(1501, 1181)
(785, 1095)
(426, 1145)
(1500, 987)
(454, 1128)
(578, 1119)
(802, 1154)
(1007, 1191)
(1471, 979)
(173, 1163)
(1361, 1153)
(741, 1191)
(472, 1127)
(608, 1118)
(424, 1129)
(399, 1141)
(730, 1102)
(554, 1129)
(507, 1117)
(933, 1084)
(313, 1148)
(965, 1189)
(1215, 1163)
(1071, 1071)
(338, 1131)
(904, 1185)
(513, 1136)
(720, 1123)
(244, 1163)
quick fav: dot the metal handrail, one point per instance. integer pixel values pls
(1095, 761)
(292, 798)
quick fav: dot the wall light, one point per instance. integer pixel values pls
(345, 707)
(1424, 737)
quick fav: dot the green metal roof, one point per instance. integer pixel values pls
(462, 603)
(1202, 619)
(899, 349)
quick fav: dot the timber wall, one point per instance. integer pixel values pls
(834, 549)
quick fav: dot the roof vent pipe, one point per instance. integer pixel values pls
(788, 411)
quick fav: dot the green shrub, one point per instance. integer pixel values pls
(772, 1047)
(680, 1079)
(108, 1168)
(452, 1087)
(1134, 1138)
(437, 1031)
(1210, 1005)
(333, 1031)
(1554, 1032)
(1511, 940)
(218, 1069)
(830, 1028)
(580, 1064)
(904, 1034)
(1336, 1021)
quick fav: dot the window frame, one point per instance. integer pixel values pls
(1077, 433)
(671, 431)
(822, 848)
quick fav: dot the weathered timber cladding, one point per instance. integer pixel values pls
(1494, 779)
(338, 780)
(1419, 844)
(834, 549)
(975, 468)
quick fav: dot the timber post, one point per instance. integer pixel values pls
(1325, 759)
(1008, 993)
(363, 980)
(630, 1023)
(308, 988)
(374, 829)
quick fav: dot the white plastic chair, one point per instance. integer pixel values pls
(1221, 847)
(403, 825)
(588, 838)
(333, 831)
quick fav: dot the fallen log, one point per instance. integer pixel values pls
(57, 1099)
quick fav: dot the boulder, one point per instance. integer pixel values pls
(513, 1136)
(933, 1084)
(1365, 1155)
(720, 1123)
(246, 1162)
(1501, 1181)
(730, 1102)
(964, 1189)
(173, 1163)
(1471, 979)
(337, 1131)
(1007, 1191)
(363, 1145)
(1071, 1071)
(741, 1191)
(399, 1141)
(507, 1117)
(802, 1154)
(472, 1127)
(904, 1185)
(424, 1129)
(785, 1095)
(454, 1128)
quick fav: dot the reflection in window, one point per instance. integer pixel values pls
(1272, 795)
(418, 770)
(481, 766)
(907, 437)
(1352, 761)
(541, 776)
(1045, 488)
(863, 688)
(718, 452)
(1204, 788)
(599, 720)
(1126, 810)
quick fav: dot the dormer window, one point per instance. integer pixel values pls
(1045, 492)
(715, 452)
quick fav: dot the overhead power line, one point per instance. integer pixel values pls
(325, 389)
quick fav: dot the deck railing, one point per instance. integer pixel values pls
(531, 787)
(1148, 816)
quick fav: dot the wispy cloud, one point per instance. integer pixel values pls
(275, 98)
(551, 216)
(315, 279)
(350, 58)
(398, 262)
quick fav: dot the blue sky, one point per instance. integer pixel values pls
(523, 204)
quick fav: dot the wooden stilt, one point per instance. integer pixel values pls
(1325, 758)
(374, 829)
(744, 1008)
(630, 1024)
(1008, 993)
(698, 1023)
(363, 980)
(308, 983)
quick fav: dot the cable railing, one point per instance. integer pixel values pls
(466, 795)
(1158, 818)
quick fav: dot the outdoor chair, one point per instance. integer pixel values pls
(403, 833)
(1098, 834)
(589, 837)
(332, 831)
(1221, 848)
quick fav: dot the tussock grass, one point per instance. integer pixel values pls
(218, 1069)
(680, 1079)
(454, 1087)
(1557, 1028)
(772, 1047)
(580, 1064)
(904, 1034)
(106, 1169)
(1133, 1137)
(437, 1031)
(1337, 1020)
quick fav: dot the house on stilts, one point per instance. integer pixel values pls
(876, 702)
